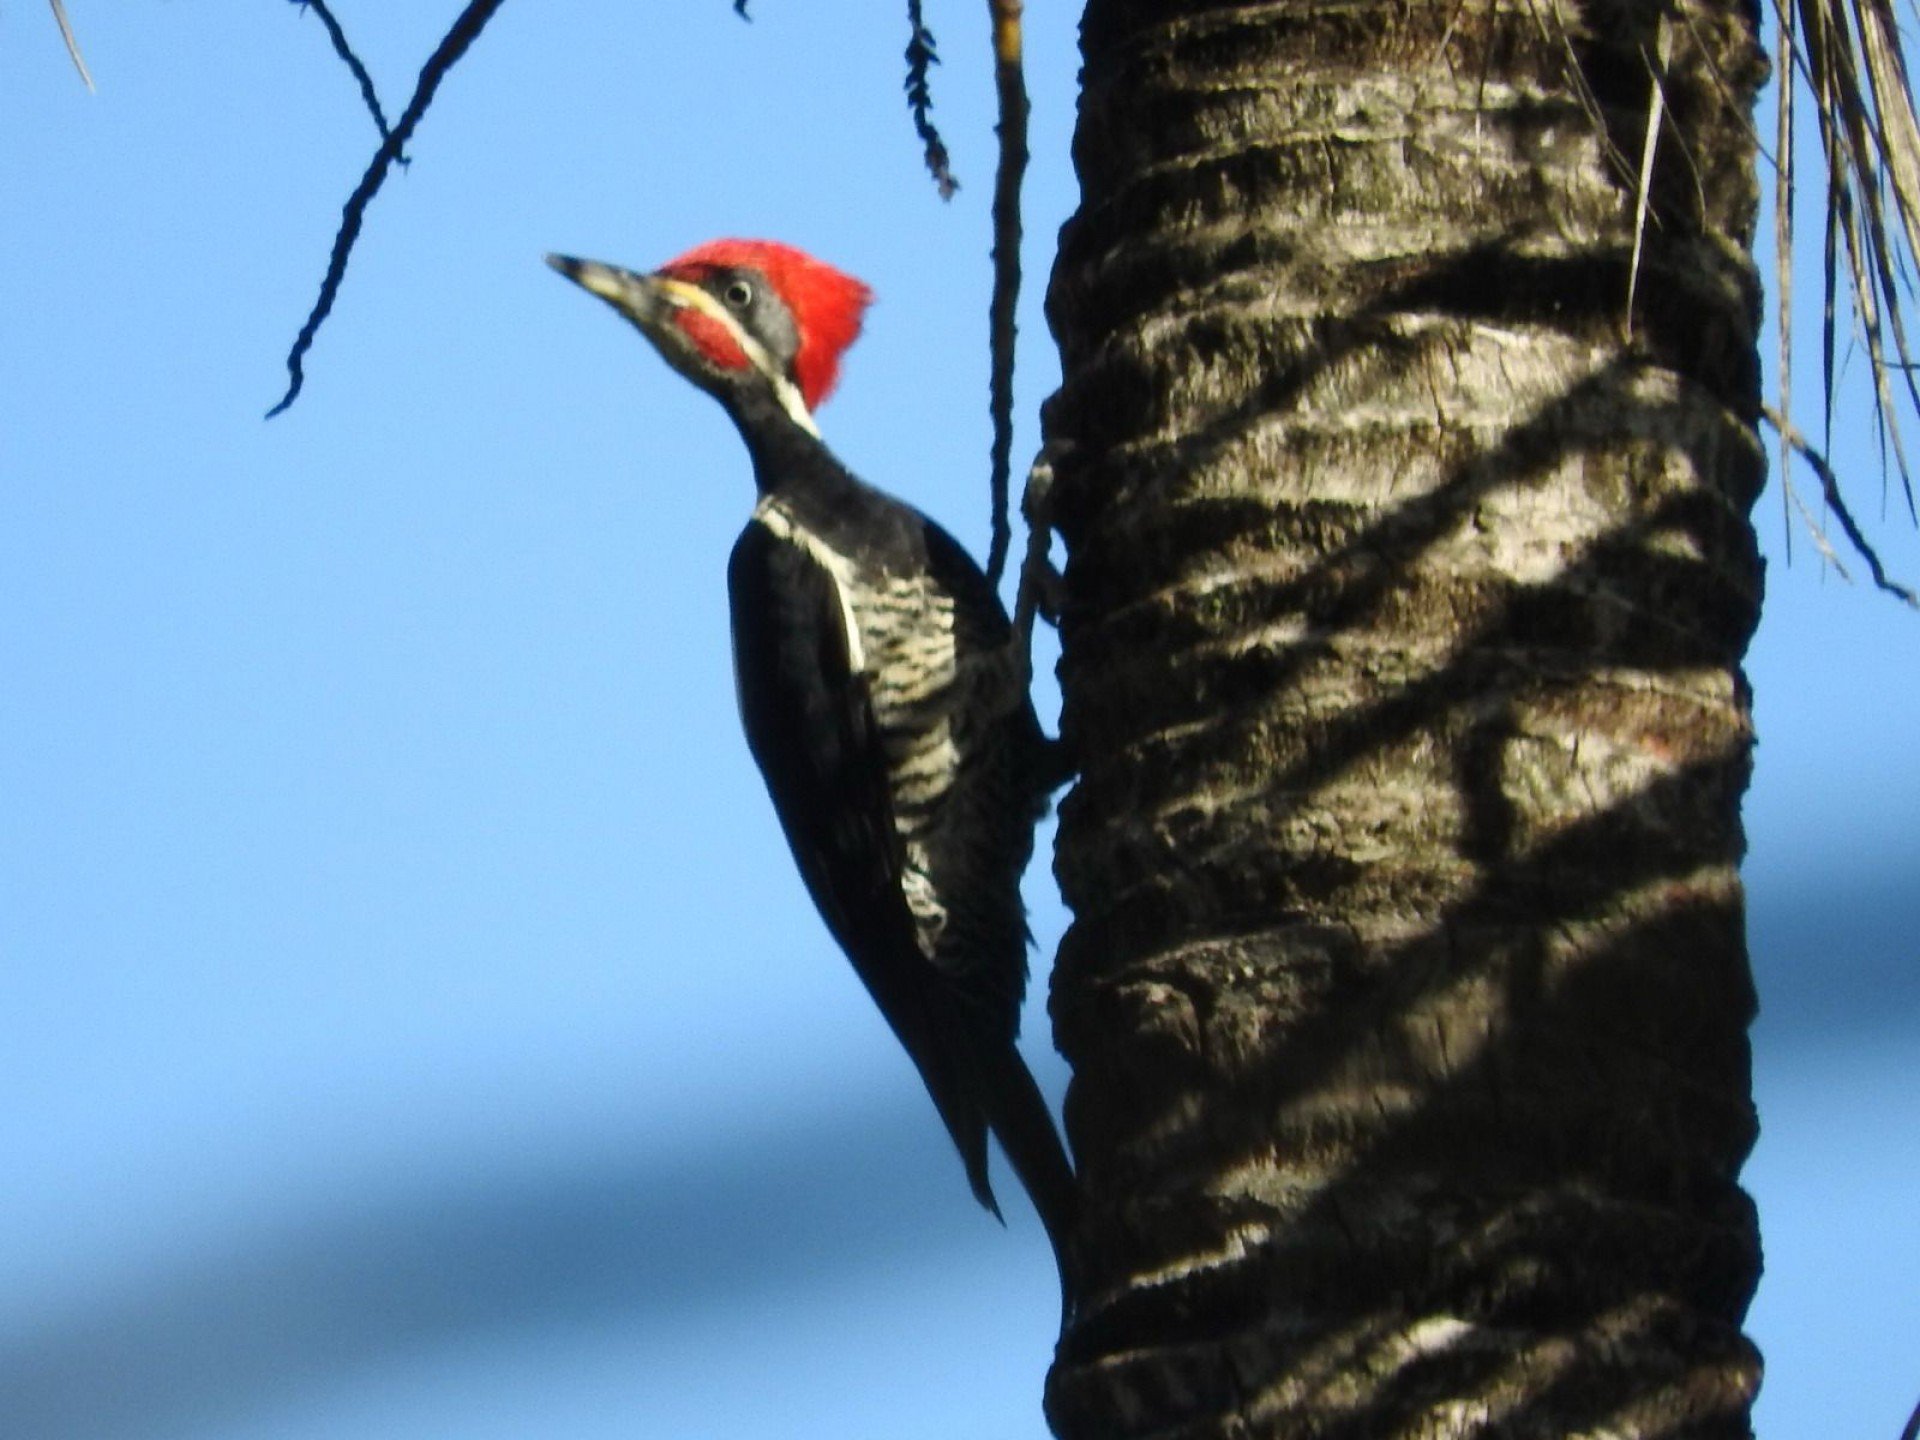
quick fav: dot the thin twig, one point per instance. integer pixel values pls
(1737, 109)
(1830, 492)
(466, 29)
(73, 45)
(1575, 75)
(352, 62)
(1010, 81)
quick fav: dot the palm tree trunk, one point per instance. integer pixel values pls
(1408, 580)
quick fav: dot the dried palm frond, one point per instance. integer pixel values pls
(1849, 56)
(73, 45)
(922, 55)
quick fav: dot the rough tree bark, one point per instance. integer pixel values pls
(1406, 990)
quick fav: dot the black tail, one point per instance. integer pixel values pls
(979, 1082)
(1022, 1124)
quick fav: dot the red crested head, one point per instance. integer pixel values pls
(826, 304)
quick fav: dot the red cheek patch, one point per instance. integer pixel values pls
(711, 339)
(825, 303)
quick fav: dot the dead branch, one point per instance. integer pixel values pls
(1011, 85)
(465, 30)
(341, 48)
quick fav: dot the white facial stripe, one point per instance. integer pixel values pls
(692, 297)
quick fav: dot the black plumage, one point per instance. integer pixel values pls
(883, 699)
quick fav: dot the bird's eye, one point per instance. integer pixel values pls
(739, 294)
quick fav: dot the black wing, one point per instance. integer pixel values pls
(810, 725)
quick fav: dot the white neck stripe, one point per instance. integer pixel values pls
(680, 292)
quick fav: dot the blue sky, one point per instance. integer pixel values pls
(412, 1026)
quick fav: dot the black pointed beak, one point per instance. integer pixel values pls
(632, 294)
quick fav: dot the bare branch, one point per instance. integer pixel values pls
(1010, 81)
(466, 29)
(352, 62)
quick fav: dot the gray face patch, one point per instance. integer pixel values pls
(761, 312)
(665, 293)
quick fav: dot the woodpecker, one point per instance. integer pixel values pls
(881, 695)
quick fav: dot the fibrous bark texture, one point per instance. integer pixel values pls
(1409, 571)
